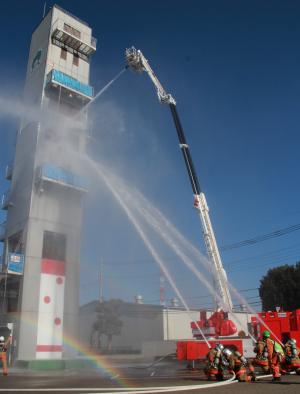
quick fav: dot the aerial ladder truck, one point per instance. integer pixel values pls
(283, 324)
(137, 62)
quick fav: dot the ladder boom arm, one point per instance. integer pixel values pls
(185, 151)
(203, 210)
(136, 60)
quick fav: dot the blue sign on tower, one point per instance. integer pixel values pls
(15, 263)
(72, 83)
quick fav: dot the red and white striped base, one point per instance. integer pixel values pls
(51, 309)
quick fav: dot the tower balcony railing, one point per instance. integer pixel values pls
(48, 173)
(2, 231)
(67, 36)
(56, 78)
(6, 200)
(9, 171)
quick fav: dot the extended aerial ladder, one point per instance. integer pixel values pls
(137, 62)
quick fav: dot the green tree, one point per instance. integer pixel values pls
(281, 287)
(108, 323)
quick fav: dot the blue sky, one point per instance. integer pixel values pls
(233, 68)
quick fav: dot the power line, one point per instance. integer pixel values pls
(281, 261)
(246, 242)
(270, 253)
(261, 238)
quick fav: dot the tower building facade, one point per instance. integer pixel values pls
(41, 236)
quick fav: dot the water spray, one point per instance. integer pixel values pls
(160, 224)
(243, 300)
(101, 91)
(148, 244)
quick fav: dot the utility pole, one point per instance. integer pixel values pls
(101, 281)
(162, 297)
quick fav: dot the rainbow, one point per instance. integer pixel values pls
(96, 360)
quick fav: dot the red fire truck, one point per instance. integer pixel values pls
(283, 325)
(219, 329)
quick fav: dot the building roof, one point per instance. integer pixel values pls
(132, 307)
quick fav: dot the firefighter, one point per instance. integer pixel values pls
(274, 353)
(3, 349)
(261, 358)
(291, 360)
(238, 364)
(215, 367)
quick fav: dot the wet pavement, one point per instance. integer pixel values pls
(135, 378)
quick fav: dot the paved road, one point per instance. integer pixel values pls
(92, 381)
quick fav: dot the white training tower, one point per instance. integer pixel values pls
(44, 202)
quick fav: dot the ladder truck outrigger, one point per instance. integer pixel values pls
(137, 62)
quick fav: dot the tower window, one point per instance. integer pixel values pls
(75, 60)
(63, 54)
(54, 246)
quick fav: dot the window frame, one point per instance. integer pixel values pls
(75, 62)
(63, 53)
(54, 246)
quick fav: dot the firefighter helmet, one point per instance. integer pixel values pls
(219, 346)
(266, 334)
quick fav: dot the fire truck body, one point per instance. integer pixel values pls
(282, 325)
(217, 325)
(195, 350)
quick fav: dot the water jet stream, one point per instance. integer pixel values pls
(101, 91)
(147, 242)
(148, 209)
(158, 222)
